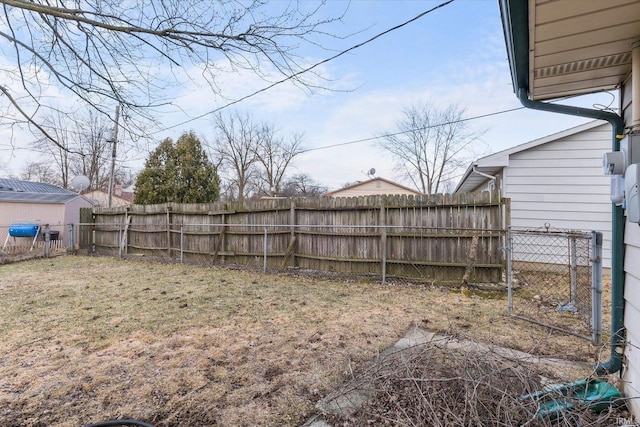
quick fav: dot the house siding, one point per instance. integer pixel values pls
(561, 184)
(631, 375)
(39, 213)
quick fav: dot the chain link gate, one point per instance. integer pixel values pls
(555, 279)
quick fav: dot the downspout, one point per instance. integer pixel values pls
(486, 175)
(614, 364)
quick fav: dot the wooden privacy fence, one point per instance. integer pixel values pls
(442, 238)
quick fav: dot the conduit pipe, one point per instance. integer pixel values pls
(614, 364)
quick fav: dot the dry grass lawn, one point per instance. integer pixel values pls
(86, 339)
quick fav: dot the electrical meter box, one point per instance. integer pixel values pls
(617, 162)
(624, 168)
(630, 146)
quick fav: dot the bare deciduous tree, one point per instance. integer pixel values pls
(251, 156)
(108, 52)
(275, 154)
(38, 172)
(430, 146)
(83, 148)
(237, 139)
(302, 185)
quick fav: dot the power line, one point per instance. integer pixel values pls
(306, 70)
(373, 138)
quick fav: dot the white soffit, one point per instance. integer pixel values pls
(578, 46)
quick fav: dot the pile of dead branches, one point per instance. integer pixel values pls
(438, 386)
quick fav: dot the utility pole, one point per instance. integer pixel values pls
(113, 154)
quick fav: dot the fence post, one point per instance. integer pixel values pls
(292, 223)
(168, 232)
(127, 221)
(596, 287)
(573, 262)
(72, 243)
(120, 241)
(181, 243)
(509, 250)
(264, 251)
(506, 224)
(383, 241)
(47, 241)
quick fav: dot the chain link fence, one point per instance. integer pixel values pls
(555, 279)
(381, 253)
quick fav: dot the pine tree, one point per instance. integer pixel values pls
(179, 172)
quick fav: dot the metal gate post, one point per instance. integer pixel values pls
(47, 241)
(573, 266)
(72, 243)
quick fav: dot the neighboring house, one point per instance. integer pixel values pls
(556, 180)
(128, 193)
(100, 198)
(372, 187)
(562, 48)
(38, 203)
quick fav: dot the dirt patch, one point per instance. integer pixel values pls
(87, 339)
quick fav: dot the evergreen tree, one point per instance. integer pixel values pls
(179, 172)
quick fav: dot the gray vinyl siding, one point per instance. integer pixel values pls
(561, 183)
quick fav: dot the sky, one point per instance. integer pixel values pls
(454, 55)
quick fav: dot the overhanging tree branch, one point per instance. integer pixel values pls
(29, 119)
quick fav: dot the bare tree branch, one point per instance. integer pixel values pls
(108, 52)
(431, 145)
(275, 155)
(237, 140)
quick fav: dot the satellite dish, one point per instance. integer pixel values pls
(371, 172)
(80, 183)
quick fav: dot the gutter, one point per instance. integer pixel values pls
(486, 175)
(614, 364)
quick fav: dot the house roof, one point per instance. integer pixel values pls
(13, 190)
(562, 48)
(479, 170)
(365, 183)
(101, 198)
